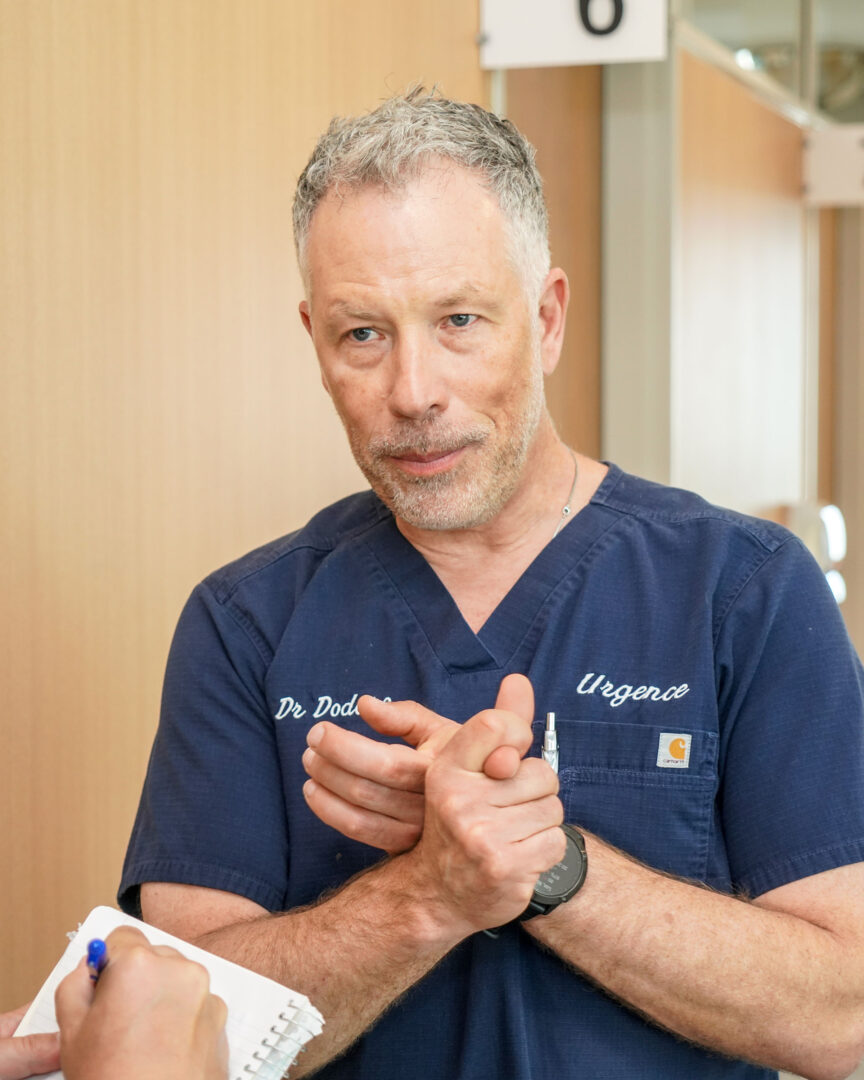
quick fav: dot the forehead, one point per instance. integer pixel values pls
(444, 220)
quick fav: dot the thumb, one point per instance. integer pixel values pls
(73, 998)
(29, 1055)
(516, 695)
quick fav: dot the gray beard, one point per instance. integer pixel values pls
(446, 501)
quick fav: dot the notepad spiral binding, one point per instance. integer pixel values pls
(281, 1047)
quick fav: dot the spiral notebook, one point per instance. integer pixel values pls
(268, 1024)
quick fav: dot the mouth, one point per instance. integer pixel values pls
(429, 463)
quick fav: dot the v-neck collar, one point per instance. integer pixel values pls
(521, 615)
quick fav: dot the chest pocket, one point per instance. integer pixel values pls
(612, 785)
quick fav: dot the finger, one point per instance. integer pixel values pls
(73, 998)
(516, 695)
(124, 937)
(385, 763)
(365, 826)
(534, 779)
(9, 1021)
(402, 805)
(129, 943)
(29, 1055)
(541, 851)
(222, 1053)
(502, 764)
(484, 732)
(518, 823)
(409, 720)
(217, 1010)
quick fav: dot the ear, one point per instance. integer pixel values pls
(306, 316)
(306, 319)
(553, 313)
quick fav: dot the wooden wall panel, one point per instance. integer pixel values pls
(161, 410)
(848, 480)
(737, 399)
(559, 110)
(827, 353)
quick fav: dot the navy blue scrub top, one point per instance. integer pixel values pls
(707, 698)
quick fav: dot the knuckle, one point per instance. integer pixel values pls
(379, 834)
(451, 806)
(197, 976)
(495, 867)
(390, 770)
(490, 720)
(139, 956)
(366, 793)
(477, 844)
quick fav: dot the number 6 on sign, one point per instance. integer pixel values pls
(565, 32)
(610, 28)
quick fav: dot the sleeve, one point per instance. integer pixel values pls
(791, 698)
(211, 812)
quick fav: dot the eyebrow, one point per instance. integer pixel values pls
(461, 296)
(342, 307)
(464, 295)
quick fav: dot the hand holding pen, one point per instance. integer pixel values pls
(148, 1014)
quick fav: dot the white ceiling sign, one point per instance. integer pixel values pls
(834, 166)
(559, 33)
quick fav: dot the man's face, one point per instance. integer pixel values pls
(427, 345)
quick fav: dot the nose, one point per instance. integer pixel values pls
(417, 385)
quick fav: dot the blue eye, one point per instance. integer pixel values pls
(362, 333)
(462, 320)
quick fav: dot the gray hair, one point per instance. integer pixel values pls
(397, 141)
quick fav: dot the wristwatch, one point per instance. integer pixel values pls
(558, 884)
(562, 881)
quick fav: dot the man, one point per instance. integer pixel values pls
(706, 695)
(150, 1016)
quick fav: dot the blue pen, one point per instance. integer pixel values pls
(97, 958)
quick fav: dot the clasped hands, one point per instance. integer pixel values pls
(477, 819)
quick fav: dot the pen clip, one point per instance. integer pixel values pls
(550, 742)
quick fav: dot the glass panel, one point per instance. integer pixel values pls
(763, 34)
(839, 33)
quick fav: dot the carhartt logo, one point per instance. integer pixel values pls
(673, 751)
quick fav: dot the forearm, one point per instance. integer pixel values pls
(752, 983)
(353, 954)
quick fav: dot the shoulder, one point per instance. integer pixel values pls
(691, 547)
(670, 519)
(259, 592)
(659, 505)
(337, 526)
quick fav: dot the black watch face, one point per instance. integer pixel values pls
(557, 882)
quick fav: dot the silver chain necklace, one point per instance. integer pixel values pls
(565, 512)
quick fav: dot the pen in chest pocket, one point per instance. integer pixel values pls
(550, 741)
